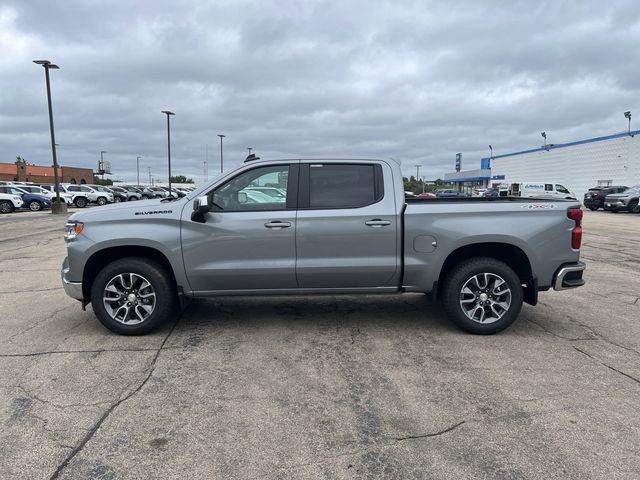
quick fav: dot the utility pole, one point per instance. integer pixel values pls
(102, 152)
(544, 135)
(417, 171)
(138, 168)
(168, 114)
(206, 163)
(627, 115)
(149, 175)
(59, 206)
(221, 158)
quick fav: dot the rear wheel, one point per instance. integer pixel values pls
(482, 295)
(131, 199)
(131, 296)
(80, 202)
(116, 200)
(101, 201)
(35, 206)
(633, 206)
(6, 206)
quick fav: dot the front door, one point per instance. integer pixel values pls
(347, 226)
(247, 241)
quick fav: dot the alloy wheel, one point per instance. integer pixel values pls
(485, 298)
(129, 298)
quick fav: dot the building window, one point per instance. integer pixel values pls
(83, 181)
(73, 180)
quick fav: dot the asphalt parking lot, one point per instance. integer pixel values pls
(320, 387)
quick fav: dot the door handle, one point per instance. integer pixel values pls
(376, 222)
(277, 224)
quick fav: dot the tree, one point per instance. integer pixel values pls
(99, 181)
(180, 179)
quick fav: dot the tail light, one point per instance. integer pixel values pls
(575, 214)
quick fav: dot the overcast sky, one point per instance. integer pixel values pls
(416, 81)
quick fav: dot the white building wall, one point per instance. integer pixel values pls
(577, 167)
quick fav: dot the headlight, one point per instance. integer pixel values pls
(72, 230)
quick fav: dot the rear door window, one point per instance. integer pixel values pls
(344, 185)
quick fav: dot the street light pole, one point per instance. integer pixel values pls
(138, 168)
(627, 115)
(221, 158)
(168, 114)
(544, 135)
(249, 148)
(149, 175)
(102, 152)
(58, 207)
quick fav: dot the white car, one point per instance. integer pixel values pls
(50, 194)
(85, 194)
(9, 202)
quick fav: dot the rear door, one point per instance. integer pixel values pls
(247, 241)
(347, 226)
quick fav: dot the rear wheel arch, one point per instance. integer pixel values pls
(508, 253)
(101, 258)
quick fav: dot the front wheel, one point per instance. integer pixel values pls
(482, 295)
(132, 296)
(80, 202)
(634, 207)
(592, 208)
(101, 201)
(116, 200)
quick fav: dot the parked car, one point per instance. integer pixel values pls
(50, 194)
(491, 192)
(478, 192)
(132, 193)
(594, 198)
(426, 195)
(147, 193)
(32, 201)
(159, 192)
(173, 193)
(85, 194)
(346, 228)
(627, 201)
(119, 195)
(540, 190)
(9, 203)
(449, 193)
(273, 192)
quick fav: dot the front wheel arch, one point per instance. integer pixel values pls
(99, 259)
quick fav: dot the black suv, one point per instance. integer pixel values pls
(594, 198)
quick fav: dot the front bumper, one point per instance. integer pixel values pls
(73, 289)
(569, 276)
(615, 206)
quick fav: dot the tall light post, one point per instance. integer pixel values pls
(138, 168)
(249, 148)
(168, 114)
(58, 206)
(544, 135)
(221, 157)
(627, 115)
(149, 175)
(490, 154)
(101, 167)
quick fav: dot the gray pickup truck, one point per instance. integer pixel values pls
(315, 227)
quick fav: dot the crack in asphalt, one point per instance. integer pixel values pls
(429, 435)
(92, 431)
(101, 350)
(631, 377)
(32, 290)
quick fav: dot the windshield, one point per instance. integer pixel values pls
(633, 190)
(101, 189)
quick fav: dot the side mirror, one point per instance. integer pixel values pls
(242, 197)
(200, 209)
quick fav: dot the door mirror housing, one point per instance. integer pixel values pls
(200, 209)
(242, 198)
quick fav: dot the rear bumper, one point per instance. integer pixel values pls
(73, 289)
(593, 202)
(569, 276)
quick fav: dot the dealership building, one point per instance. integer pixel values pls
(21, 171)
(580, 165)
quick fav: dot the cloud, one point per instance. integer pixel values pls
(417, 81)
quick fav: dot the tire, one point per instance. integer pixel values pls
(500, 310)
(6, 206)
(35, 206)
(101, 201)
(592, 208)
(115, 200)
(131, 199)
(80, 202)
(164, 308)
(633, 206)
